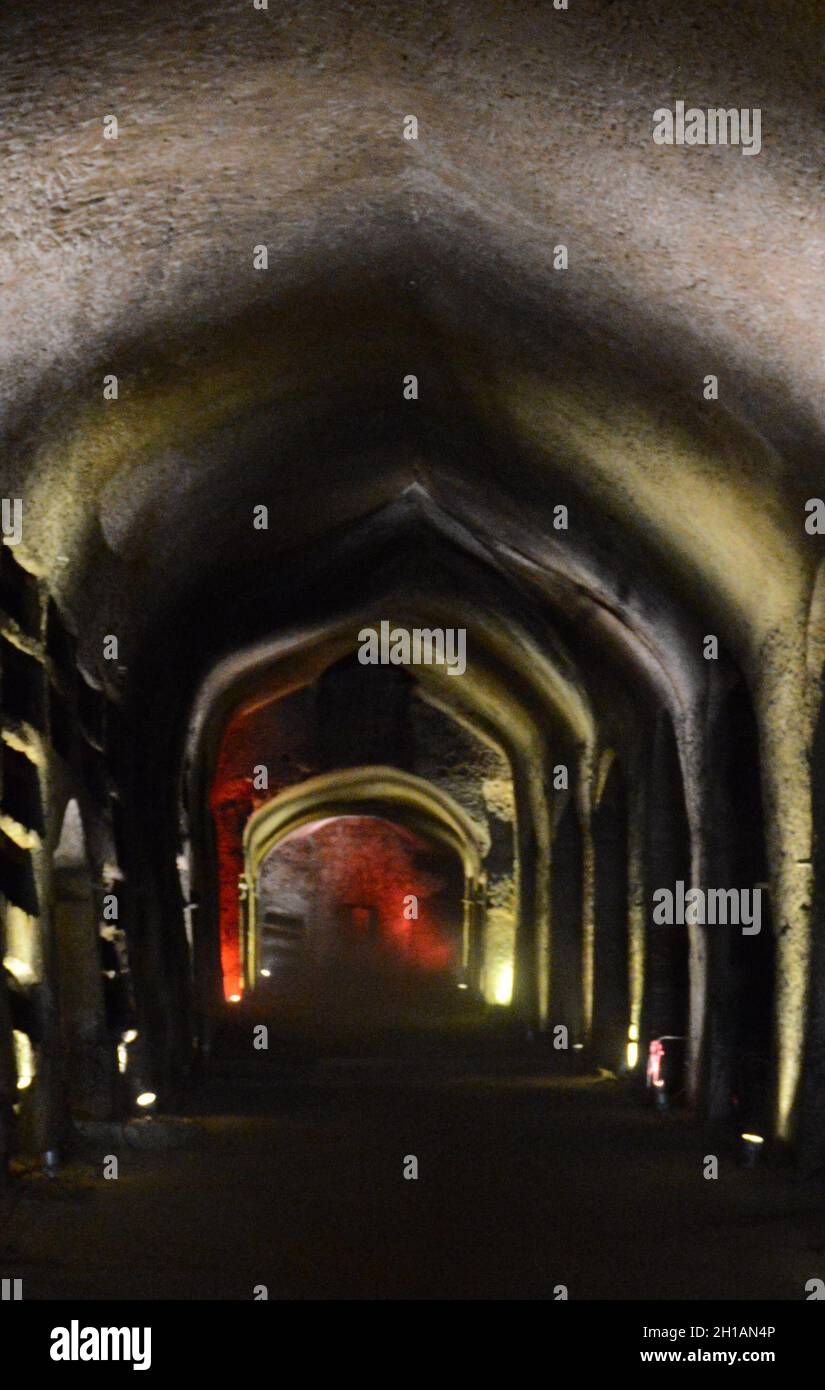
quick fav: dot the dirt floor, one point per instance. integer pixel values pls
(525, 1183)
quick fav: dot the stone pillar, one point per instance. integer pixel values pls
(566, 921)
(87, 1050)
(740, 966)
(667, 862)
(811, 1121)
(611, 1005)
(525, 963)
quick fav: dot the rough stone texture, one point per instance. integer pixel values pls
(301, 734)
(537, 387)
(351, 882)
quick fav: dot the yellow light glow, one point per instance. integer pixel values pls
(24, 838)
(22, 745)
(22, 972)
(461, 984)
(23, 945)
(503, 990)
(130, 1035)
(633, 1033)
(632, 1055)
(122, 1057)
(234, 999)
(146, 1098)
(24, 1060)
(266, 974)
(753, 1138)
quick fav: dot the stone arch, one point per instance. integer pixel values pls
(384, 792)
(348, 900)
(514, 704)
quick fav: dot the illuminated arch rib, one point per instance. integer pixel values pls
(366, 791)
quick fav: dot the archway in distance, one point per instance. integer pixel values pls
(383, 793)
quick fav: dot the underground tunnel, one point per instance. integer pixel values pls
(412, 630)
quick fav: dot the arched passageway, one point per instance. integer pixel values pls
(356, 917)
(353, 846)
(358, 887)
(396, 519)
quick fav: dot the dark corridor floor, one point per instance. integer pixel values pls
(524, 1183)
